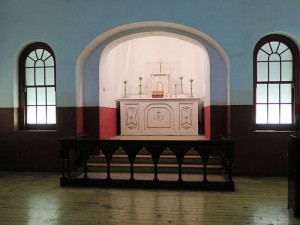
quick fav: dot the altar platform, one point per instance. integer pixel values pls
(159, 137)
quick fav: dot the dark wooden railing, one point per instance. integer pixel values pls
(75, 152)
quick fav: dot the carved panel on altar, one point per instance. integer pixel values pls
(131, 117)
(186, 116)
(158, 116)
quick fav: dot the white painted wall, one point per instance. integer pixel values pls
(130, 59)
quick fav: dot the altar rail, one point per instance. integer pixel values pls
(75, 152)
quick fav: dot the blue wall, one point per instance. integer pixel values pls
(69, 25)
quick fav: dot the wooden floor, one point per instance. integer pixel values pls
(37, 199)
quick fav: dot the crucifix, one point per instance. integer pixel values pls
(160, 62)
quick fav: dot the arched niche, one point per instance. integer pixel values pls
(88, 74)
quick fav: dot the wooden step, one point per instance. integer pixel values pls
(149, 168)
(144, 164)
(171, 159)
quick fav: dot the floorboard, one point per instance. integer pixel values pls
(36, 199)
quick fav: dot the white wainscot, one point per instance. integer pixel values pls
(165, 116)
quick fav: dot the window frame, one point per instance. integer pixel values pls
(294, 83)
(23, 125)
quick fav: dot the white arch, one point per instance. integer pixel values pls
(108, 97)
(125, 32)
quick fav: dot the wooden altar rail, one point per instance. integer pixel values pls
(77, 150)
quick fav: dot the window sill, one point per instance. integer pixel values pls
(33, 131)
(274, 131)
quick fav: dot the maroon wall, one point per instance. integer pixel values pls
(218, 121)
(256, 153)
(108, 122)
(90, 121)
(33, 150)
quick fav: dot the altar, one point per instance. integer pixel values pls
(165, 109)
(162, 116)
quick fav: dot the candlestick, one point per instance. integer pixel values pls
(140, 85)
(125, 89)
(181, 89)
(191, 95)
(175, 90)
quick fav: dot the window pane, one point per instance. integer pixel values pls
(286, 113)
(282, 48)
(286, 93)
(45, 55)
(49, 61)
(274, 45)
(287, 71)
(39, 76)
(274, 57)
(31, 97)
(50, 76)
(274, 71)
(262, 71)
(273, 93)
(261, 93)
(51, 96)
(266, 47)
(287, 55)
(273, 114)
(29, 76)
(39, 63)
(41, 114)
(262, 56)
(261, 114)
(31, 114)
(51, 115)
(39, 53)
(32, 55)
(41, 96)
(29, 62)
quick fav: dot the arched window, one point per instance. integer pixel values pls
(37, 87)
(276, 62)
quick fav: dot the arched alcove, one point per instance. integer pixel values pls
(89, 84)
(136, 58)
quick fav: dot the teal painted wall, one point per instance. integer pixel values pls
(69, 25)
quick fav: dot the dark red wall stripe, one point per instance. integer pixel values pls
(108, 122)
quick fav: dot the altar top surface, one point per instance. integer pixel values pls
(160, 137)
(159, 99)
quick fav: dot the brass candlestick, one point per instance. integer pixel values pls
(140, 85)
(125, 89)
(191, 95)
(181, 89)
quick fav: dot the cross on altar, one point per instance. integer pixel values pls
(160, 62)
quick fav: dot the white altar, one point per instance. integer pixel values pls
(165, 110)
(163, 116)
